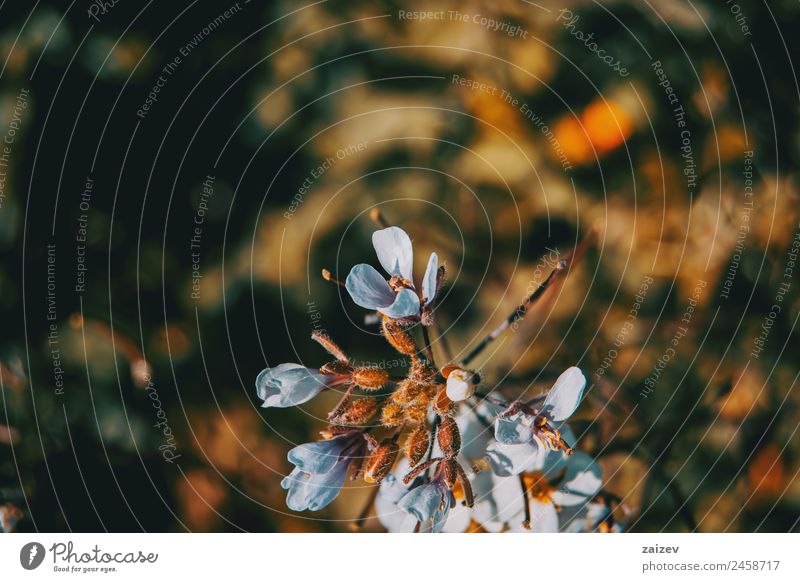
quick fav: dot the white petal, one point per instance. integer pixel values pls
(429, 281)
(507, 495)
(460, 385)
(564, 397)
(394, 251)
(544, 517)
(507, 460)
(458, 519)
(394, 519)
(582, 481)
(368, 288)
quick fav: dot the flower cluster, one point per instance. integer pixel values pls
(444, 456)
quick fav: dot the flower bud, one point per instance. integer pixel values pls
(358, 412)
(417, 444)
(370, 378)
(460, 385)
(421, 371)
(380, 462)
(443, 405)
(417, 412)
(392, 415)
(398, 337)
(336, 368)
(407, 392)
(449, 437)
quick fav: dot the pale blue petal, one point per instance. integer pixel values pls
(318, 456)
(566, 394)
(423, 501)
(313, 492)
(327, 486)
(394, 251)
(406, 304)
(429, 281)
(297, 497)
(513, 430)
(289, 385)
(439, 518)
(368, 288)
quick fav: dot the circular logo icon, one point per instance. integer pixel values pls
(31, 555)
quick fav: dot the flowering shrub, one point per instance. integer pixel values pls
(444, 456)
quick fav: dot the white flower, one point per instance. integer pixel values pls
(460, 385)
(398, 297)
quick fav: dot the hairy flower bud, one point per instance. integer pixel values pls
(407, 392)
(358, 412)
(421, 371)
(417, 444)
(380, 462)
(370, 378)
(392, 415)
(398, 337)
(417, 412)
(336, 368)
(449, 437)
(442, 404)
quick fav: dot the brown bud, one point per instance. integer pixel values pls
(421, 371)
(398, 337)
(417, 444)
(358, 412)
(329, 345)
(407, 392)
(442, 404)
(449, 437)
(392, 415)
(449, 368)
(370, 378)
(417, 412)
(336, 368)
(380, 462)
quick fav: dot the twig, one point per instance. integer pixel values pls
(562, 266)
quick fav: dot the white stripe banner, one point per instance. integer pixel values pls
(333, 557)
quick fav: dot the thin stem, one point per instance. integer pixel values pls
(426, 339)
(562, 266)
(442, 339)
(362, 517)
(526, 502)
(515, 315)
(339, 408)
(328, 276)
(377, 216)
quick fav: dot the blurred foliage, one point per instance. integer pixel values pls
(259, 104)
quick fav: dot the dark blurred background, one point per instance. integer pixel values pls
(127, 394)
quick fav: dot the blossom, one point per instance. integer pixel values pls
(461, 384)
(429, 503)
(525, 436)
(320, 470)
(398, 297)
(544, 494)
(291, 384)
(597, 516)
